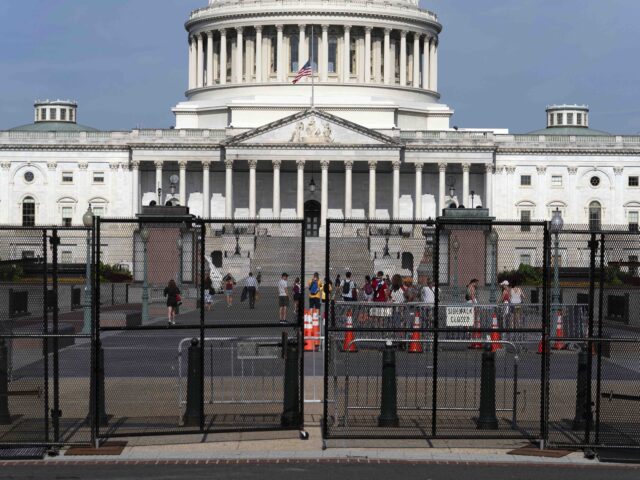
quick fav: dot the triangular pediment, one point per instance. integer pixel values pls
(311, 128)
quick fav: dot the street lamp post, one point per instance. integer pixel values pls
(455, 248)
(493, 243)
(556, 226)
(87, 221)
(144, 236)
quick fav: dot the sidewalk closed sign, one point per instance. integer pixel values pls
(459, 317)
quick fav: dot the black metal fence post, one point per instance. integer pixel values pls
(389, 394)
(96, 391)
(192, 415)
(436, 326)
(5, 416)
(55, 412)
(544, 337)
(45, 330)
(291, 403)
(487, 419)
(201, 246)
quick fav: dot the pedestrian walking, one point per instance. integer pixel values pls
(251, 284)
(297, 294)
(470, 295)
(338, 285)
(505, 299)
(315, 291)
(172, 292)
(349, 289)
(229, 283)
(428, 297)
(367, 289)
(517, 299)
(208, 294)
(283, 297)
(398, 295)
(380, 295)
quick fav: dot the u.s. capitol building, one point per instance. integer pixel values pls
(369, 137)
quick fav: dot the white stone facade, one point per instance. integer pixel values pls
(376, 142)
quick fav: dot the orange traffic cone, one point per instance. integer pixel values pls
(541, 348)
(495, 335)
(316, 329)
(415, 346)
(308, 332)
(476, 335)
(559, 344)
(349, 337)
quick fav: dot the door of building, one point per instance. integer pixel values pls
(312, 218)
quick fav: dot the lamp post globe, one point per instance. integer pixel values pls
(87, 221)
(557, 222)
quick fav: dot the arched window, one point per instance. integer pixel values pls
(293, 53)
(595, 215)
(28, 212)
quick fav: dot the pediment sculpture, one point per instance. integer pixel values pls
(312, 132)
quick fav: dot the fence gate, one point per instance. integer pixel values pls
(232, 361)
(594, 374)
(44, 352)
(432, 358)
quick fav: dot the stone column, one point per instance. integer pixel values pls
(433, 64)
(442, 169)
(324, 203)
(302, 44)
(276, 188)
(367, 54)
(193, 62)
(223, 56)
(416, 60)
(396, 189)
(488, 187)
(200, 79)
(426, 62)
(280, 53)
(348, 170)
(209, 58)
(206, 194)
(300, 189)
(239, 55)
(372, 189)
(465, 184)
(324, 58)
(228, 192)
(158, 164)
(252, 188)
(346, 55)
(418, 199)
(258, 53)
(403, 58)
(135, 179)
(386, 61)
(182, 197)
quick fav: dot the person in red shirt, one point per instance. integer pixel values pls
(380, 288)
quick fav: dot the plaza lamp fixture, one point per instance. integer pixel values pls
(312, 182)
(87, 221)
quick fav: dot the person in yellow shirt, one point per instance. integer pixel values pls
(316, 291)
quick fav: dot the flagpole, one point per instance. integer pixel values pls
(312, 70)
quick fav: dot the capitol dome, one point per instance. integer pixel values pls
(374, 62)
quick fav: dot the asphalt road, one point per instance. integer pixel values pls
(297, 471)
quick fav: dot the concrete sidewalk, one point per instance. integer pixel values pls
(286, 446)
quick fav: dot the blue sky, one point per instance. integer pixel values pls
(501, 61)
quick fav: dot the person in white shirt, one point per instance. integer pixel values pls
(251, 284)
(349, 289)
(283, 297)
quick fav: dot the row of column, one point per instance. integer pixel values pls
(324, 190)
(215, 58)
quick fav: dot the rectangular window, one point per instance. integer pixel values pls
(633, 221)
(525, 180)
(28, 254)
(66, 257)
(293, 54)
(333, 53)
(569, 118)
(52, 114)
(578, 119)
(556, 180)
(633, 181)
(633, 268)
(98, 211)
(43, 114)
(98, 177)
(67, 177)
(63, 114)
(67, 216)
(525, 259)
(28, 213)
(551, 120)
(559, 118)
(525, 217)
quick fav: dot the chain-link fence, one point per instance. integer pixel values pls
(209, 337)
(44, 354)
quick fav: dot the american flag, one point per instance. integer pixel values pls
(305, 71)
